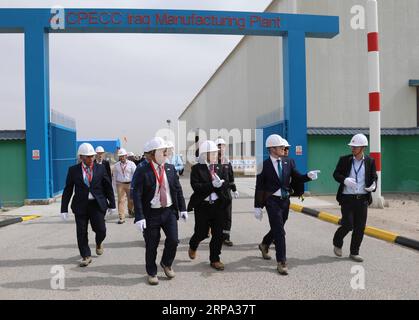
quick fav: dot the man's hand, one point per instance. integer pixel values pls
(217, 183)
(372, 187)
(141, 225)
(184, 215)
(111, 211)
(259, 213)
(64, 215)
(236, 194)
(313, 174)
(350, 183)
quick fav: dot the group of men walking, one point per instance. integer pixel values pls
(158, 203)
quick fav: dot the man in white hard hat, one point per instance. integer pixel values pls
(144, 160)
(229, 174)
(273, 192)
(357, 175)
(209, 200)
(100, 159)
(158, 202)
(123, 172)
(93, 195)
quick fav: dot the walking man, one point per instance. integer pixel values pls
(357, 176)
(158, 199)
(93, 195)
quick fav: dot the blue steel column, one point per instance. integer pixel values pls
(37, 113)
(295, 95)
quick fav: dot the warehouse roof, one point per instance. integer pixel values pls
(12, 135)
(353, 131)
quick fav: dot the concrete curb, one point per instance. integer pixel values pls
(370, 231)
(17, 220)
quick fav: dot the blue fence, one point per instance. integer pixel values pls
(63, 153)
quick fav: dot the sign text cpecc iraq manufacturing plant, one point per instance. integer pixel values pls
(251, 90)
(36, 24)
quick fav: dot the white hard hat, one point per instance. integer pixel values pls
(286, 144)
(207, 146)
(122, 152)
(170, 144)
(99, 149)
(86, 149)
(220, 141)
(130, 154)
(358, 140)
(157, 143)
(274, 140)
(146, 147)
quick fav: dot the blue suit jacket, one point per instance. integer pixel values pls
(144, 188)
(267, 182)
(100, 188)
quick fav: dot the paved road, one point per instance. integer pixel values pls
(30, 249)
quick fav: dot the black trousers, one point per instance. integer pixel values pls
(354, 218)
(227, 220)
(160, 219)
(268, 239)
(97, 221)
(277, 209)
(209, 216)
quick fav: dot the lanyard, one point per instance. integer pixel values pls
(158, 178)
(89, 175)
(212, 171)
(123, 167)
(359, 169)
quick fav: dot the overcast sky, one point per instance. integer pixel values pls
(118, 85)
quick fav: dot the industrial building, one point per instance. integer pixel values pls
(246, 92)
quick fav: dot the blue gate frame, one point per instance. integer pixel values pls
(36, 24)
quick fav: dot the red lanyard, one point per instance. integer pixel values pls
(158, 178)
(89, 175)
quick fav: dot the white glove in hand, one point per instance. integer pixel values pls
(184, 215)
(350, 183)
(259, 213)
(64, 215)
(371, 188)
(111, 211)
(313, 174)
(217, 183)
(216, 177)
(236, 194)
(141, 225)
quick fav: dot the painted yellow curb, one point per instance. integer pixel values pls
(329, 217)
(296, 207)
(27, 218)
(381, 234)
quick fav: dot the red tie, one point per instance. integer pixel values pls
(163, 195)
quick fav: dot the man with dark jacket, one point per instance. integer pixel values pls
(100, 152)
(273, 191)
(357, 176)
(93, 195)
(158, 199)
(209, 199)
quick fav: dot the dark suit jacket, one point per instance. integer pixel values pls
(201, 182)
(107, 167)
(343, 170)
(267, 182)
(229, 174)
(100, 187)
(144, 188)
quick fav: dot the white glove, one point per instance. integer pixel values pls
(313, 174)
(184, 215)
(110, 211)
(350, 183)
(217, 183)
(64, 215)
(141, 225)
(216, 177)
(236, 194)
(372, 187)
(259, 213)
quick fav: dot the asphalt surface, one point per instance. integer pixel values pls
(29, 250)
